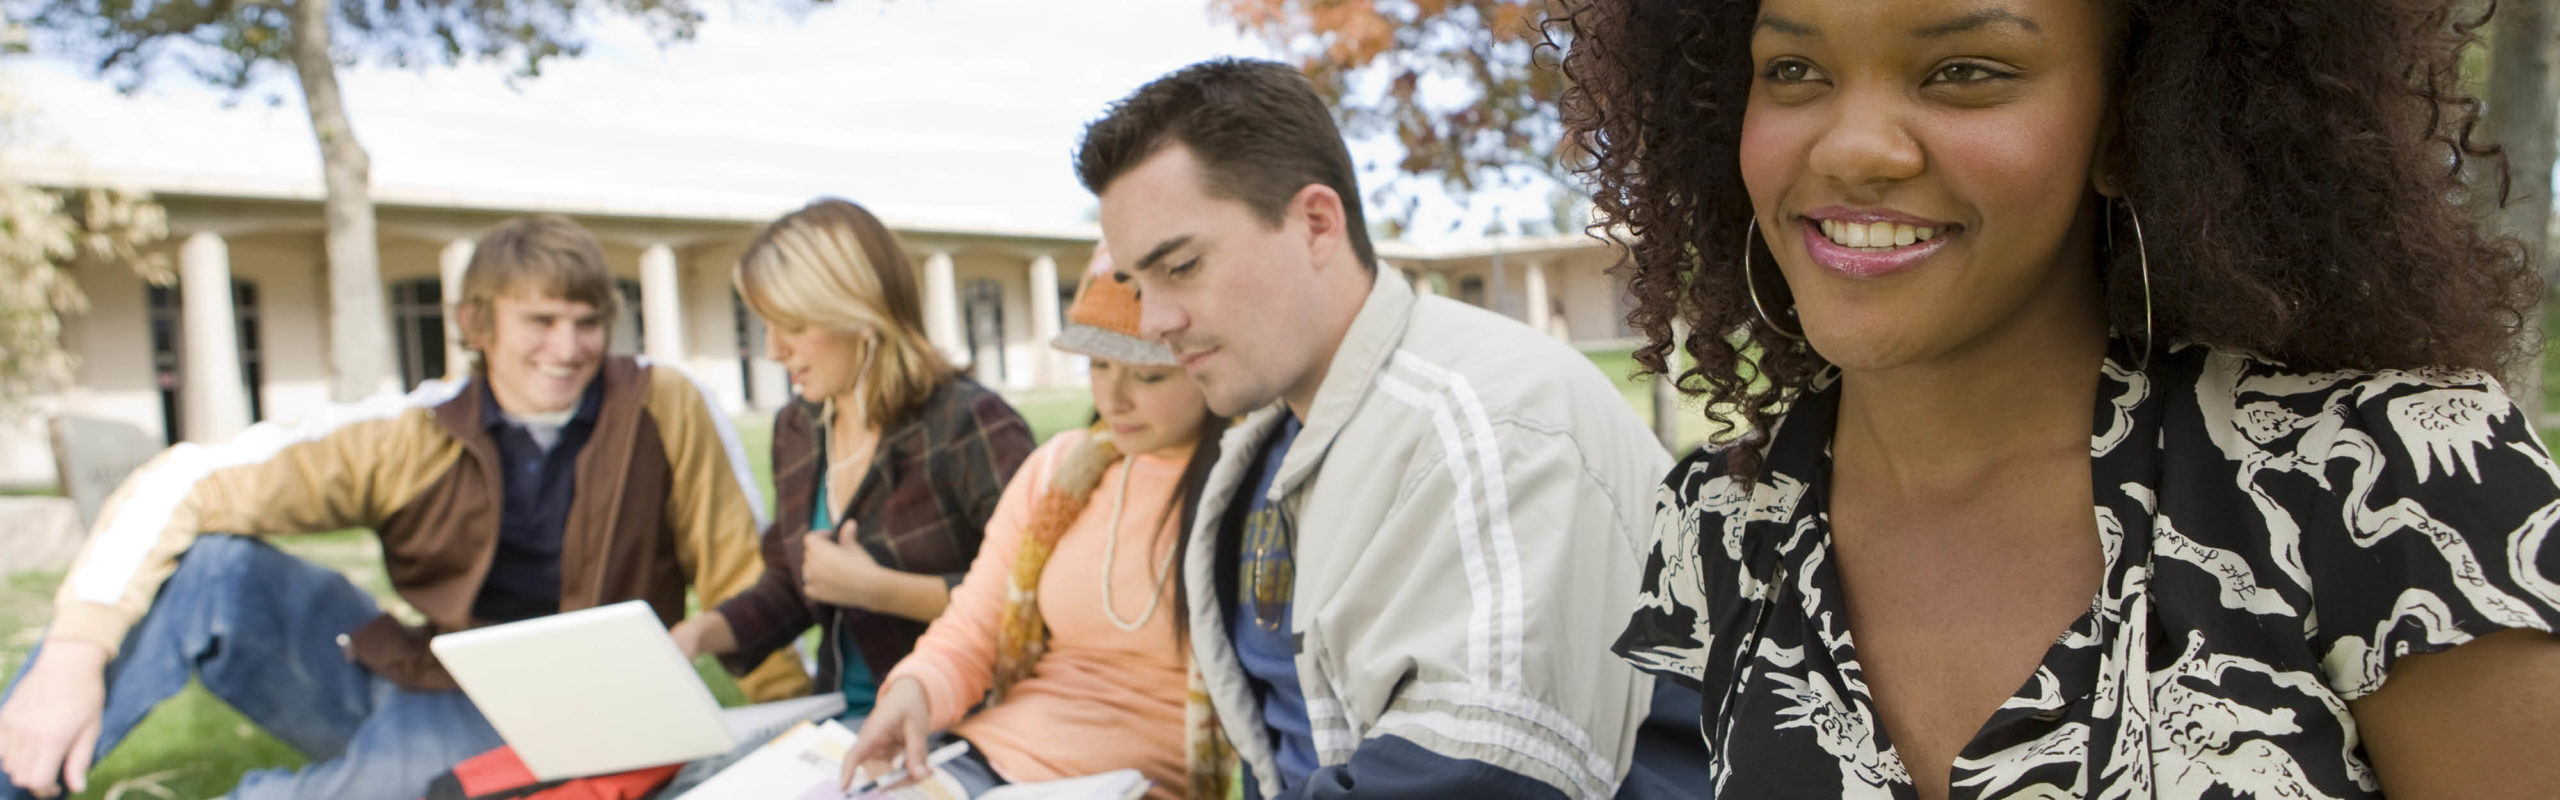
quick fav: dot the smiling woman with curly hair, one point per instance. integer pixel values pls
(2121, 373)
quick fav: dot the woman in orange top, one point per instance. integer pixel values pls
(1069, 622)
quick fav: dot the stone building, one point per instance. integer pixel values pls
(242, 334)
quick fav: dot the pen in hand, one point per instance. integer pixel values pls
(941, 755)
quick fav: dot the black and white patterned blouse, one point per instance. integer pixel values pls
(2274, 541)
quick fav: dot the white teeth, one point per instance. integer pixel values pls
(1874, 235)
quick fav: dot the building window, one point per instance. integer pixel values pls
(750, 331)
(982, 309)
(1471, 290)
(628, 327)
(417, 329)
(167, 354)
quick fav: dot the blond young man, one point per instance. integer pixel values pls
(552, 478)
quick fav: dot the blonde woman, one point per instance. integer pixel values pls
(1061, 654)
(885, 471)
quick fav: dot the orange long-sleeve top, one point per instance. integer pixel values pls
(1101, 698)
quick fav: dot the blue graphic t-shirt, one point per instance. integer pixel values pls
(1265, 578)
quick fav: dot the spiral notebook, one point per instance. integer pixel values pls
(807, 763)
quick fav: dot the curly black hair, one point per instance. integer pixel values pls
(2304, 169)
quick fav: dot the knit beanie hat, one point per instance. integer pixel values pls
(1103, 323)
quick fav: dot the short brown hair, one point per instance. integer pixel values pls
(1257, 127)
(834, 265)
(557, 256)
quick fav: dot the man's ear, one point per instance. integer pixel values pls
(1319, 207)
(466, 322)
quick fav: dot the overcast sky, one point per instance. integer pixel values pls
(931, 111)
(960, 110)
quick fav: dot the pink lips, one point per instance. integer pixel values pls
(1192, 360)
(1850, 262)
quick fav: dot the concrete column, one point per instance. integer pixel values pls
(456, 259)
(942, 306)
(768, 387)
(1045, 369)
(717, 346)
(213, 397)
(1537, 313)
(661, 306)
(1422, 282)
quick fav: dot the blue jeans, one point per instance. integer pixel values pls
(260, 629)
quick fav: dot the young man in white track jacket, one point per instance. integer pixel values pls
(1409, 561)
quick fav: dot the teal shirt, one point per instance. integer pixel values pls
(861, 688)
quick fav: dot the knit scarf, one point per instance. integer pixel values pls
(1024, 636)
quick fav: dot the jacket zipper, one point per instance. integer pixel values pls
(834, 642)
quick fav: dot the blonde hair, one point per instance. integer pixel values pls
(545, 251)
(834, 265)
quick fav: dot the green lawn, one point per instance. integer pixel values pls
(1620, 365)
(2550, 374)
(1052, 410)
(196, 747)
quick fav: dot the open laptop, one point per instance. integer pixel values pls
(604, 690)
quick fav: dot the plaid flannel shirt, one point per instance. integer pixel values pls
(933, 481)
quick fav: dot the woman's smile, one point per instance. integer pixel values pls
(1871, 244)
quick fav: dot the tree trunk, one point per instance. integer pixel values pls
(359, 329)
(2522, 90)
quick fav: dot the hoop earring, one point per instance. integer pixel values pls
(2142, 256)
(1753, 290)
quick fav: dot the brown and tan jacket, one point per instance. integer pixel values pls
(664, 501)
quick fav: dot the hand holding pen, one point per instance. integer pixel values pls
(861, 782)
(898, 727)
